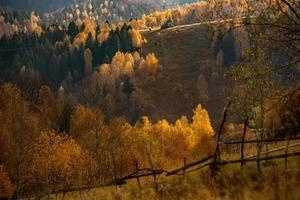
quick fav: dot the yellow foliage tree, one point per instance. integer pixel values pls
(201, 122)
(137, 39)
(201, 140)
(117, 143)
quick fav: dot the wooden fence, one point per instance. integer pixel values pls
(214, 162)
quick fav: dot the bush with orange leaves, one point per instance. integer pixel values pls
(57, 161)
(6, 188)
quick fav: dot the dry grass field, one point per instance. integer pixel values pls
(231, 183)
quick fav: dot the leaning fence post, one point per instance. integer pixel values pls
(217, 155)
(243, 141)
(267, 150)
(137, 174)
(286, 150)
(184, 165)
(155, 181)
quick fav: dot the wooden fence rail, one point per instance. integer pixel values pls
(261, 141)
(179, 171)
(274, 150)
(187, 166)
(225, 162)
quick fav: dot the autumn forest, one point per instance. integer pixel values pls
(136, 99)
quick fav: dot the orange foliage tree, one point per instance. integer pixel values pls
(88, 129)
(17, 129)
(57, 161)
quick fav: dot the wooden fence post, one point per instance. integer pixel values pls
(267, 149)
(217, 155)
(115, 167)
(184, 166)
(286, 150)
(243, 140)
(155, 182)
(137, 174)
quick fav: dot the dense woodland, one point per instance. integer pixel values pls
(50, 6)
(93, 149)
(73, 102)
(53, 55)
(114, 11)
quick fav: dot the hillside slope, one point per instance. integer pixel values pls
(184, 53)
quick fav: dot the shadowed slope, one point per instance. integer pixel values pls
(183, 53)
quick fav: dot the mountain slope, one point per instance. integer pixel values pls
(184, 53)
(114, 11)
(38, 5)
